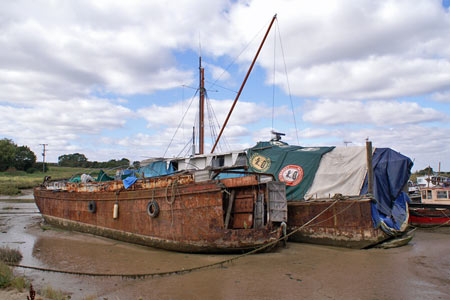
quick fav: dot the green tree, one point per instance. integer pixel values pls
(7, 154)
(72, 160)
(24, 158)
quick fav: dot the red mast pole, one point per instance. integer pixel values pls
(202, 109)
(243, 84)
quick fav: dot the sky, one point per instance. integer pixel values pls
(117, 79)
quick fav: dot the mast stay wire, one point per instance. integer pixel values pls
(184, 148)
(181, 122)
(212, 117)
(273, 77)
(240, 53)
(227, 145)
(287, 81)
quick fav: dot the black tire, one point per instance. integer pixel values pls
(153, 209)
(92, 207)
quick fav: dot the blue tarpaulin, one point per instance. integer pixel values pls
(391, 173)
(156, 168)
(129, 181)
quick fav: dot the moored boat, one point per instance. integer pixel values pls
(433, 208)
(332, 198)
(185, 212)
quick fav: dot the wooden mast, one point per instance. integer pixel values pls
(201, 136)
(243, 84)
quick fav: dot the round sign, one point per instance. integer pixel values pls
(291, 175)
(259, 162)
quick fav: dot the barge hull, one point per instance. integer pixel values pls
(347, 224)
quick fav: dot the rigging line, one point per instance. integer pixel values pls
(211, 121)
(221, 87)
(242, 51)
(273, 83)
(191, 87)
(218, 126)
(182, 108)
(187, 144)
(288, 85)
(179, 125)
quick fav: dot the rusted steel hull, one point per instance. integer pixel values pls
(190, 217)
(428, 215)
(347, 223)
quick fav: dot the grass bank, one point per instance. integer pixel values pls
(13, 181)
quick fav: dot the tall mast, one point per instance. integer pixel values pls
(243, 84)
(201, 127)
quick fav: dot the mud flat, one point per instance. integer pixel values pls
(420, 270)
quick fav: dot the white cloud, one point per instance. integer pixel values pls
(386, 113)
(441, 96)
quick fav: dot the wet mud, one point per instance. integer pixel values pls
(420, 270)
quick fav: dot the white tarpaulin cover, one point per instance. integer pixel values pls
(341, 171)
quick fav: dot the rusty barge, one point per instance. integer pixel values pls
(174, 212)
(339, 196)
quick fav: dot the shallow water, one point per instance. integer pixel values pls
(420, 270)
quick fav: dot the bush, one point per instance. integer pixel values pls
(38, 166)
(32, 170)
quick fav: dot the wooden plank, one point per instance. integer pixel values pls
(242, 221)
(230, 205)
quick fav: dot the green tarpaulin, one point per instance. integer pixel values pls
(294, 165)
(102, 176)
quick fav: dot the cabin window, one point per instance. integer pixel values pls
(429, 196)
(218, 161)
(174, 165)
(424, 195)
(241, 160)
(442, 194)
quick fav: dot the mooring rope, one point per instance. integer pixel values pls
(182, 271)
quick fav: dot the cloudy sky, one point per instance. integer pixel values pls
(114, 79)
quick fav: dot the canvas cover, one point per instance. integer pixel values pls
(341, 171)
(391, 173)
(294, 165)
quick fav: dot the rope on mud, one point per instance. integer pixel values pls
(182, 271)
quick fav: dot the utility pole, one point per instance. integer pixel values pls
(43, 157)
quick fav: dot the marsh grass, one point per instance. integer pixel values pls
(6, 276)
(9, 255)
(53, 294)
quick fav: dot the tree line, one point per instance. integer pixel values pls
(80, 160)
(23, 159)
